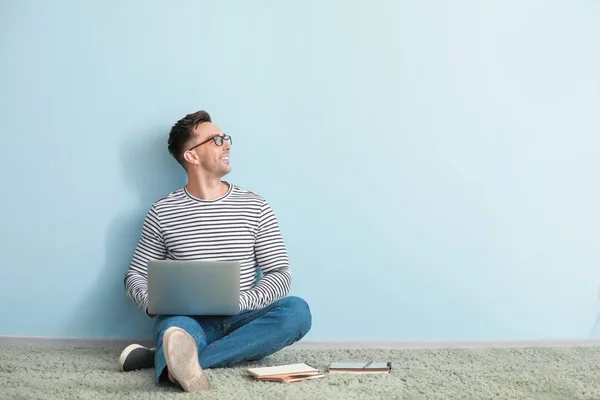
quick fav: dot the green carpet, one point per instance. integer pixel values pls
(523, 373)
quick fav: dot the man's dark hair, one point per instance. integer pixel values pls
(182, 131)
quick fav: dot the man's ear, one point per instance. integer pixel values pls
(190, 157)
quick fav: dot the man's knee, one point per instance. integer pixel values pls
(295, 303)
(298, 313)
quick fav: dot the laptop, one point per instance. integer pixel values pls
(193, 287)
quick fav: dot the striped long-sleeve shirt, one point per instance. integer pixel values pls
(239, 226)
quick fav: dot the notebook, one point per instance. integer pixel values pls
(360, 368)
(291, 373)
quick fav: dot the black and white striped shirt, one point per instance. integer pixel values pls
(239, 226)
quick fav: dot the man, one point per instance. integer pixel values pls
(210, 218)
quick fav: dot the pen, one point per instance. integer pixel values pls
(369, 363)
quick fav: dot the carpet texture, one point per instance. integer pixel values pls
(523, 373)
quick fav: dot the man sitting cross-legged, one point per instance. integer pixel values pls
(211, 219)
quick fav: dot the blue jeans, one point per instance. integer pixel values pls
(223, 341)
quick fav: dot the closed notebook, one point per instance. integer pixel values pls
(290, 378)
(360, 368)
(283, 371)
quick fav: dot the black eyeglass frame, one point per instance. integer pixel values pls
(218, 140)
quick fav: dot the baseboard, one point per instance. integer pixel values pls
(72, 342)
(312, 344)
(442, 344)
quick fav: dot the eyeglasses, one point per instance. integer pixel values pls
(217, 139)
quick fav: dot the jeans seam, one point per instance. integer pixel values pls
(245, 317)
(204, 333)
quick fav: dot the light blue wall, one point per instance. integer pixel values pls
(433, 164)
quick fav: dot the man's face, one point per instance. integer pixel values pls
(211, 159)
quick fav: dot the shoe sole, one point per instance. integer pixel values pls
(125, 353)
(181, 355)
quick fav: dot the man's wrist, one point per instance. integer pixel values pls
(243, 301)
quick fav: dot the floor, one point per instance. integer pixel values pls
(28, 372)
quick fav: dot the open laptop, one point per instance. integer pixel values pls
(193, 287)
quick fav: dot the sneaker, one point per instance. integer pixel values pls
(135, 357)
(181, 355)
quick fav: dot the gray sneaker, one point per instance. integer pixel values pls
(135, 357)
